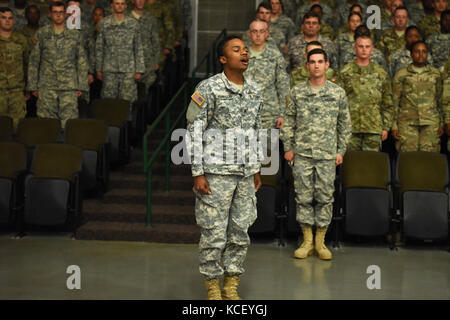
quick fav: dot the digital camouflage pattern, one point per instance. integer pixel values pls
(269, 72)
(167, 33)
(297, 48)
(439, 47)
(148, 26)
(369, 94)
(317, 125)
(415, 11)
(429, 25)
(301, 74)
(225, 107)
(401, 59)
(327, 16)
(327, 31)
(20, 21)
(446, 91)
(285, 25)
(13, 64)
(390, 42)
(417, 105)
(224, 218)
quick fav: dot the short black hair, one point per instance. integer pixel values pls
(408, 29)
(356, 5)
(362, 32)
(310, 15)
(57, 4)
(401, 8)
(354, 13)
(317, 51)
(313, 43)
(6, 9)
(411, 48)
(223, 42)
(265, 5)
(316, 6)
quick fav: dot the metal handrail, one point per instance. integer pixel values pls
(148, 163)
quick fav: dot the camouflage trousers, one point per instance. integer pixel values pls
(148, 78)
(418, 138)
(13, 105)
(119, 86)
(364, 142)
(314, 180)
(57, 104)
(224, 218)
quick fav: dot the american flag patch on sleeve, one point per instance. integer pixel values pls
(199, 100)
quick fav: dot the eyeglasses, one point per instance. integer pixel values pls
(258, 31)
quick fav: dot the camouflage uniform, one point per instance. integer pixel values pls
(268, 70)
(58, 68)
(290, 9)
(415, 11)
(418, 114)
(429, 25)
(342, 12)
(20, 21)
(297, 46)
(30, 35)
(167, 33)
(317, 128)
(439, 48)
(390, 42)
(301, 74)
(119, 54)
(226, 214)
(345, 43)
(327, 13)
(446, 95)
(327, 31)
(370, 97)
(401, 59)
(285, 25)
(13, 64)
(150, 40)
(43, 6)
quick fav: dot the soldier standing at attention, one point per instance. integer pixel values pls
(225, 191)
(268, 69)
(58, 68)
(13, 64)
(119, 54)
(419, 118)
(315, 135)
(368, 88)
(394, 39)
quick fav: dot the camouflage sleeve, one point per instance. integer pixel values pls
(33, 65)
(82, 66)
(439, 102)
(91, 53)
(139, 59)
(445, 99)
(155, 44)
(387, 107)
(397, 88)
(169, 29)
(197, 121)
(344, 125)
(282, 84)
(288, 128)
(26, 57)
(99, 46)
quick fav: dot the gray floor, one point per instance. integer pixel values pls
(35, 268)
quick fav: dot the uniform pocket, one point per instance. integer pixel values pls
(207, 210)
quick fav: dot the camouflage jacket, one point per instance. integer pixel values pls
(317, 125)
(446, 91)
(297, 48)
(401, 59)
(148, 26)
(269, 72)
(13, 61)
(19, 19)
(327, 13)
(301, 74)
(417, 96)
(286, 26)
(429, 25)
(161, 11)
(369, 94)
(415, 11)
(390, 42)
(223, 108)
(58, 61)
(439, 47)
(345, 43)
(118, 47)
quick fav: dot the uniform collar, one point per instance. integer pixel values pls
(410, 68)
(231, 87)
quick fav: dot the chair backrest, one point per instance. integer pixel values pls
(421, 171)
(34, 131)
(366, 169)
(6, 128)
(57, 161)
(13, 158)
(114, 111)
(88, 134)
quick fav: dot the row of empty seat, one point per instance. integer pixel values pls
(373, 197)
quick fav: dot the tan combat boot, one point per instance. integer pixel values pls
(213, 288)
(229, 291)
(307, 247)
(322, 251)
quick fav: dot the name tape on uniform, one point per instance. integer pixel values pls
(198, 99)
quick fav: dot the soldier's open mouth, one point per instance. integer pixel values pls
(244, 60)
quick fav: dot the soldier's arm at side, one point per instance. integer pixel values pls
(138, 52)
(99, 54)
(288, 129)
(282, 85)
(344, 125)
(33, 66)
(82, 66)
(387, 107)
(397, 88)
